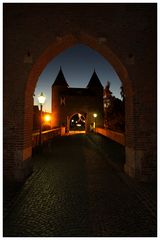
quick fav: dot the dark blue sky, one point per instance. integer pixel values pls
(78, 63)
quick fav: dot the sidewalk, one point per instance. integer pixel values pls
(115, 155)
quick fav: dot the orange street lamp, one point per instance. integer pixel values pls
(47, 118)
(41, 100)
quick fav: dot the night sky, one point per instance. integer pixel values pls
(78, 64)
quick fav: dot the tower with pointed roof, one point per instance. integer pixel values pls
(58, 99)
(67, 101)
(95, 87)
(94, 82)
(60, 80)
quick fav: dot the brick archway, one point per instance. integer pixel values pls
(29, 47)
(59, 46)
(25, 150)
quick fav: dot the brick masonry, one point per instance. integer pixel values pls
(86, 101)
(115, 136)
(124, 34)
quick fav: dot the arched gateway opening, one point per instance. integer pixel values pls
(77, 123)
(25, 148)
(52, 51)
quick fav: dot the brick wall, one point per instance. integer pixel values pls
(115, 136)
(76, 104)
(124, 34)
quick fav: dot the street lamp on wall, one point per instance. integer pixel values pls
(95, 115)
(41, 100)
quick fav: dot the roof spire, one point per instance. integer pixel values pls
(94, 81)
(60, 79)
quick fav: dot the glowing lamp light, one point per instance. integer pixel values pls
(47, 118)
(41, 98)
(94, 115)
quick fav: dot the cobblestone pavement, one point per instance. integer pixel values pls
(75, 192)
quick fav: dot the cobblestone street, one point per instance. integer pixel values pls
(75, 192)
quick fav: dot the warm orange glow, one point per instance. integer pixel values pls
(47, 118)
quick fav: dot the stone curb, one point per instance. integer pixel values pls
(141, 194)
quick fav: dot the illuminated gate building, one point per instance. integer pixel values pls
(75, 108)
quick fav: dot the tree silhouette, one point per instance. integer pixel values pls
(114, 110)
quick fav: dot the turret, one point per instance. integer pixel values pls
(96, 88)
(59, 86)
(60, 80)
(94, 82)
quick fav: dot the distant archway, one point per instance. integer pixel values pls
(77, 122)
